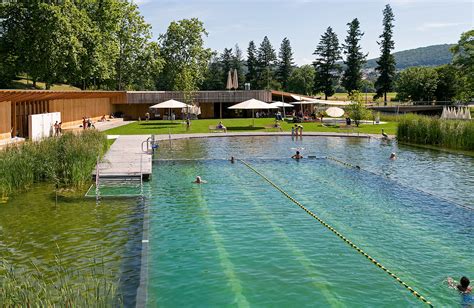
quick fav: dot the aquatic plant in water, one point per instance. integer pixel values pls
(66, 161)
(453, 134)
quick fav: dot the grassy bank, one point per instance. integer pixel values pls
(432, 131)
(66, 161)
(236, 125)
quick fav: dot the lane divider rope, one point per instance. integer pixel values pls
(346, 240)
(401, 184)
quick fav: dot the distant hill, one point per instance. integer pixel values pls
(424, 56)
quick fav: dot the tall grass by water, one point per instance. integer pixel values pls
(424, 130)
(66, 288)
(65, 161)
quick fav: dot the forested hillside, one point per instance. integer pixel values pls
(424, 56)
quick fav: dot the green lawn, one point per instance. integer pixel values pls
(235, 125)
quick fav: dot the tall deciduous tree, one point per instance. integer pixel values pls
(386, 62)
(252, 65)
(301, 80)
(266, 63)
(464, 60)
(285, 63)
(327, 70)
(186, 59)
(448, 82)
(417, 84)
(355, 58)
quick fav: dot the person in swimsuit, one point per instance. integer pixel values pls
(297, 155)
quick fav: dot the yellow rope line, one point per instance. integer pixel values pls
(375, 262)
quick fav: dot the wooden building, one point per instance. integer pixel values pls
(17, 105)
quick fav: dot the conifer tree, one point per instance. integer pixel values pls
(226, 63)
(252, 65)
(266, 62)
(285, 63)
(386, 62)
(237, 63)
(355, 58)
(327, 70)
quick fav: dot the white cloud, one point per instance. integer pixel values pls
(439, 25)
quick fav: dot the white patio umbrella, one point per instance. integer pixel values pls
(334, 112)
(282, 105)
(252, 104)
(169, 104)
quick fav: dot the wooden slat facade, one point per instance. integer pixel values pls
(156, 97)
(5, 119)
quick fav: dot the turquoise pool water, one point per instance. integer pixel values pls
(237, 241)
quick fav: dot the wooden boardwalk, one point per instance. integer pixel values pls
(123, 159)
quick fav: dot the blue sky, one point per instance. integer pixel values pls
(417, 22)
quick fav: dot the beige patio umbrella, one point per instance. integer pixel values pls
(252, 104)
(229, 81)
(169, 104)
(235, 80)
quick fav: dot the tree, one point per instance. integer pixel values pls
(357, 110)
(355, 58)
(417, 84)
(252, 65)
(285, 63)
(448, 82)
(226, 61)
(327, 70)
(301, 80)
(463, 59)
(386, 62)
(213, 76)
(186, 59)
(266, 61)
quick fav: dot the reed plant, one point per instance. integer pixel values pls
(64, 288)
(452, 134)
(66, 161)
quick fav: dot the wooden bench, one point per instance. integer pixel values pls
(215, 129)
(273, 126)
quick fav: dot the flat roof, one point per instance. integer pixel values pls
(39, 95)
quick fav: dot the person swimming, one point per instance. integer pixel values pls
(232, 159)
(199, 180)
(463, 285)
(297, 155)
(393, 156)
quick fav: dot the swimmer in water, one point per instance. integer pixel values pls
(297, 155)
(463, 285)
(232, 159)
(393, 156)
(199, 180)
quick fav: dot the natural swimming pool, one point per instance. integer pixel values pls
(238, 241)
